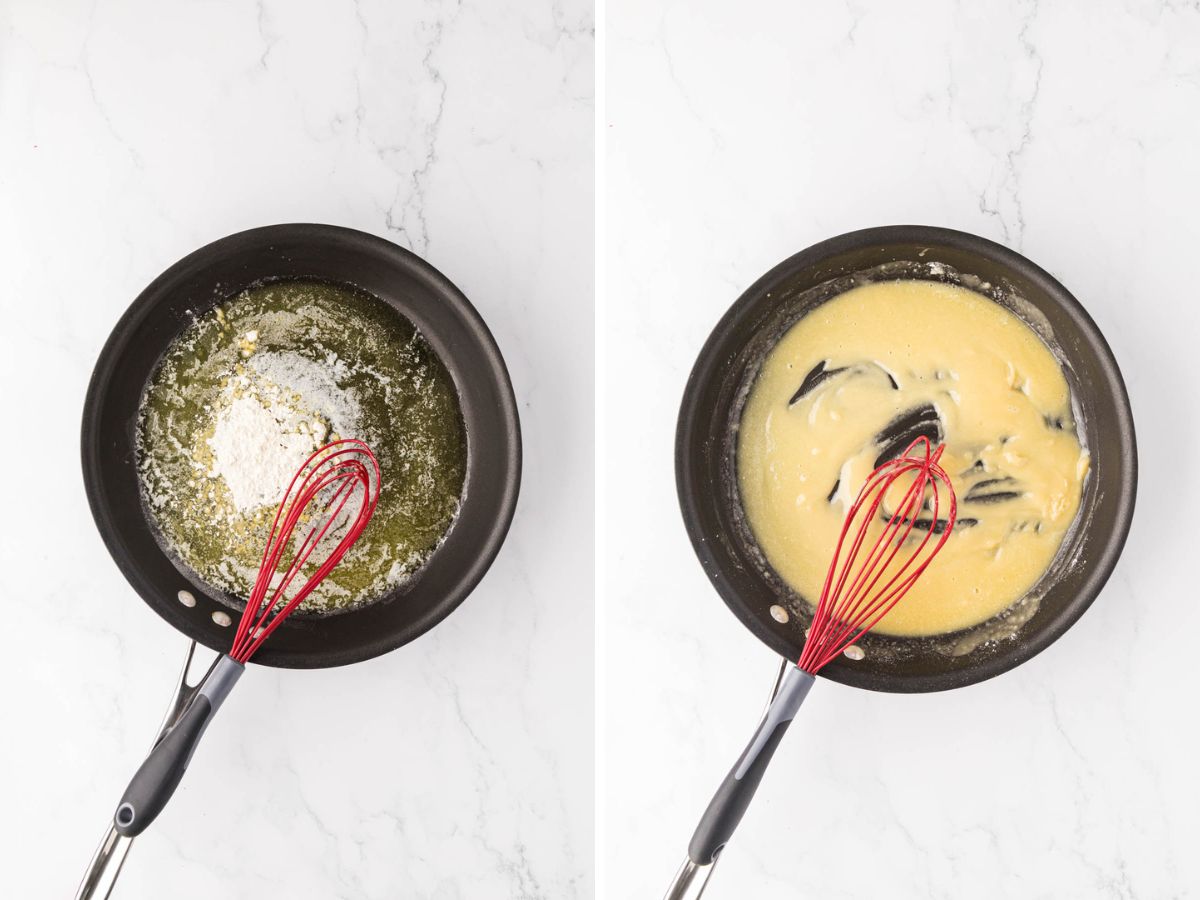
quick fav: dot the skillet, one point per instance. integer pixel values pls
(705, 467)
(192, 287)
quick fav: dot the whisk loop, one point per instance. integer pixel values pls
(853, 601)
(331, 478)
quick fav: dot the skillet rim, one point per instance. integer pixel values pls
(693, 483)
(487, 359)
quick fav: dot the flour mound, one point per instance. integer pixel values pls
(270, 418)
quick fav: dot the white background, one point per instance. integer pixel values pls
(740, 133)
(131, 133)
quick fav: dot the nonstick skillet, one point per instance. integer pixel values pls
(191, 287)
(705, 467)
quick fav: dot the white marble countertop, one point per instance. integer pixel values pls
(131, 133)
(738, 134)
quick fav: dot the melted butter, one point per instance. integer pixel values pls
(408, 413)
(854, 381)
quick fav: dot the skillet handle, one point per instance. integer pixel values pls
(733, 797)
(101, 875)
(105, 866)
(690, 881)
(158, 777)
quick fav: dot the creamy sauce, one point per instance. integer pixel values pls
(854, 381)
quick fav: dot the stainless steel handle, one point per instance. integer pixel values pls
(105, 866)
(692, 878)
(690, 881)
(106, 863)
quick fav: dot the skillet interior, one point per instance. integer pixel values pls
(457, 334)
(726, 367)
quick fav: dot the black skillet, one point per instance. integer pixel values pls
(193, 286)
(708, 497)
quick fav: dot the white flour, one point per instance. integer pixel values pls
(270, 419)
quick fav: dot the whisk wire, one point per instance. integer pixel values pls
(263, 618)
(875, 566)
(859, 588)
(312, 538)
(853, 599)
(330, 479)
(902, 579)
(844, 608)
(262, 611)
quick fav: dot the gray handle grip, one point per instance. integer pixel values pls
(158, 777)
(733, 797)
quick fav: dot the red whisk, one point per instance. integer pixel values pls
(334, 493)
(896, 526)
(334, 476)
(853, 601)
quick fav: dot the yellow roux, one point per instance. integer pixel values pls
(932, 353)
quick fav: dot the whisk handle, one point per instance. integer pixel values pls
(733, 797)
(156, 779)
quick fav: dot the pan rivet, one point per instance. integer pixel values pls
(854, 652)
(779, 614)
(222, 619)
(187, 598)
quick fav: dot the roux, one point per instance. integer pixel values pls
(854, 381)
